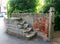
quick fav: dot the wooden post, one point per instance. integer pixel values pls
(51, 23)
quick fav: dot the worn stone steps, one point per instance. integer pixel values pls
(20, 27)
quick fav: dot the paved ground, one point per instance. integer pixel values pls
(57, 34)
(7, 39)
(57, 37)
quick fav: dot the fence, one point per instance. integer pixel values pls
(40, 22)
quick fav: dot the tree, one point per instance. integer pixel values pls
(21, 6)
(25, 6)
(56, 5)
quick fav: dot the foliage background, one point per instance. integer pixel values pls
(35, 6)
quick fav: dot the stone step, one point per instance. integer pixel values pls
(28, 30)
(29, 35)
(21, 27)
(20, 19)
(26, 25)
